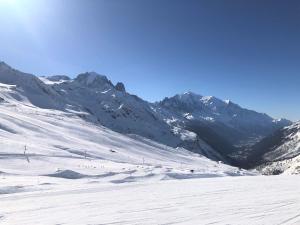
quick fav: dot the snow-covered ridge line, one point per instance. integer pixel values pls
(279, 152)
(205, 125)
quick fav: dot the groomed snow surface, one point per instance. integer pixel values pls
(228, 200)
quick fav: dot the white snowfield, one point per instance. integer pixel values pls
(254, 200)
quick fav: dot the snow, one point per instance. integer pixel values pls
(76, 172)
(82, 152)
(229, 200)
(91, 78)
(58, 168)
(284, 154)
(227, 101)
(290, 148)
(55, 139)
(95, 99)
(184, 134)
(51, 82)
(243, 123)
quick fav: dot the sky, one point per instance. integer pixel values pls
(245, 51)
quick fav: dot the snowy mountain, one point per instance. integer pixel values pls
(279, 152)
(54, 79)
(235, 124)
(68, 130)
(96, 100)
(77, 147)
(36, 141)
(111, 106)
(204, 125)
(27, 88)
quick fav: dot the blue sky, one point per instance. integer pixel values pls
(245, 51)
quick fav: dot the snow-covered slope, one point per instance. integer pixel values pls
(88, 152)
(204, 125)
(36, 141)
(279, 152)
(234, 123)
(54, 127)
(75, 172)
(256, 200)
(113, 107)
(100, 102)
(52, 154)
(55, 79)
(27, 88)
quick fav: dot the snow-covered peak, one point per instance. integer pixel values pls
(58, 78)
(11, 76)
(211, 100)
(92, 79)
(194, 100)
(239, 122)
(227, 101)
(185, 100)
(208, 98)
(191, 102)
(28, 88)
(188, 94)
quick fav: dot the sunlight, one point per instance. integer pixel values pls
(24, 13)
(8, 3)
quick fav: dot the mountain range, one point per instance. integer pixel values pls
(217, 129)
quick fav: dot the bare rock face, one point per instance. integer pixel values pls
(120, 87)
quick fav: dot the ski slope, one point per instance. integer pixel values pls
(245, 200)
(35, 141)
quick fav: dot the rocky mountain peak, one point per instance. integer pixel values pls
(94, 80)
(120, 87)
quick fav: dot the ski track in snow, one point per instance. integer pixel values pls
(228, 200)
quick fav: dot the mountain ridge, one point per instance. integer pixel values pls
(237, 119)
(200, 126)
(278, 152)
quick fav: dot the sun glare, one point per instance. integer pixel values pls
(8, 2)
